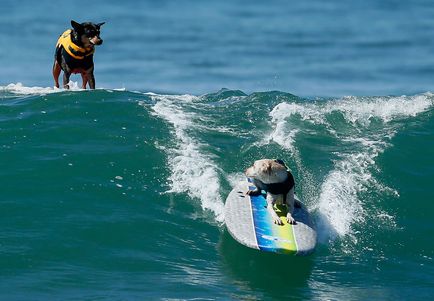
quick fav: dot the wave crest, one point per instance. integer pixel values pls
(361, 128)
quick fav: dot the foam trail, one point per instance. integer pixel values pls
(19, 89)
(338, 202)
(193, 172)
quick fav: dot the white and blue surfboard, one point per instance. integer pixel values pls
(249, 222)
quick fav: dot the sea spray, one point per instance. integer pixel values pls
(192, 170)
(366, 132)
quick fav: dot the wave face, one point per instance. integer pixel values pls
(127, 189)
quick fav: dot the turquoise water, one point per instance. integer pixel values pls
(118, 193)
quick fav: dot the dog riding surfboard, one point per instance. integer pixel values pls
(269, 222)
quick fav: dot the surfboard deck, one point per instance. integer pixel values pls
(249, 222)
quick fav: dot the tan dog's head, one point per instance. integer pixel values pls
(267, 171)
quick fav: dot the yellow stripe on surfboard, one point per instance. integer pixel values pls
(284, 232)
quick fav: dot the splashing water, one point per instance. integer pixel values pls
(193, 171)
(369, 127)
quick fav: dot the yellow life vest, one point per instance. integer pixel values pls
(73, 49)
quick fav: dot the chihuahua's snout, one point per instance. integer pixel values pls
(96, 40)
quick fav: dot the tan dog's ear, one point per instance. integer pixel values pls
(280, 162)
(268, 168)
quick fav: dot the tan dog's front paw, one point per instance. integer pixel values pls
(277, 220)
(253, 192)
(290, 219)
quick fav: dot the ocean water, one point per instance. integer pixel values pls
(118, 193)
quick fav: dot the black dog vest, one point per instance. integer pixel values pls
(280, 188)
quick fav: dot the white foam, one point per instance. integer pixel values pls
(387, 109)
(235, 178)
(354, 110)
(193, 171)
(20, 89)
(338, 202)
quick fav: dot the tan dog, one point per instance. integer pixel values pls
(273, 177)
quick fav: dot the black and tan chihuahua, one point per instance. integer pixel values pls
(74, 53)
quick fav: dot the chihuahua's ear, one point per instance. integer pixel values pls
(100, 24)
(75, 25)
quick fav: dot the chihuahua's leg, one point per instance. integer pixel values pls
(290, 201)
(271, 199)
(259, 186)
(90, 77)
(66, 76)
(56, 72)
(84, 80)
(66, 72)
(57, 68)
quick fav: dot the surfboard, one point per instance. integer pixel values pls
(249, 222)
